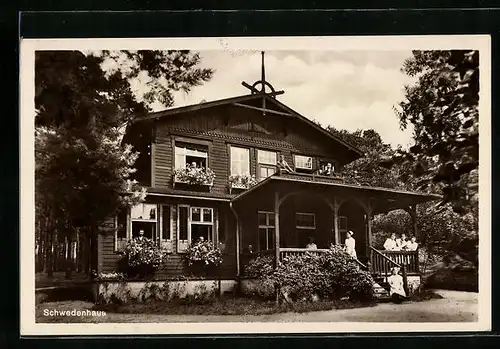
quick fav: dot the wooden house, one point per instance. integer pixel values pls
(237, 138)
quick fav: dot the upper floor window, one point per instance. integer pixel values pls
(303, 163)
(240, 161)
(266, 163)
(190, 154)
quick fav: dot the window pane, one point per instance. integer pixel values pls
(262, 218)
(303, 162)
(195, 214)
(262, 239)
(200, 230)
(183, 223)
(270, 238)
(304, 220)
(149, 229)
(207, 215)
(144, 211)
(240, 161)
(271, 218)
(342, 223)
(122, 225)
(165, 221)
(266, 157)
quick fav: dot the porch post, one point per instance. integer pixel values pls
(277, 227)
(369, 211)
(413, 214)
(336, 206)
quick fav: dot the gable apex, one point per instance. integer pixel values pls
(239, 101)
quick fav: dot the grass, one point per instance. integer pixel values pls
(226, 306)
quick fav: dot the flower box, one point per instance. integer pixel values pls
(194, 176)
(241, 181)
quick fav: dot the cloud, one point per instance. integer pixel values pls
(348, 90)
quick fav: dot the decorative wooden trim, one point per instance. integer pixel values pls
(264, 110)
(192, 140)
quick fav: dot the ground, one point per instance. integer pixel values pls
(455, 306)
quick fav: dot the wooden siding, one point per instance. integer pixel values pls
(230, 125)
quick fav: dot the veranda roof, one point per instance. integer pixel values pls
(382, 199)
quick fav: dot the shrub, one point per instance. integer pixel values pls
(331, 275)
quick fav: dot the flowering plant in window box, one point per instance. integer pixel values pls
(204, 254)
(143, 256)
(243, 181)
(194, 175)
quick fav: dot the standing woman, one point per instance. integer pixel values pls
(350, 245)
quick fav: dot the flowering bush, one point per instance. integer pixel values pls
(143, 255)
(194, 175)
(330, 275)
(203, 253)
(244, 181)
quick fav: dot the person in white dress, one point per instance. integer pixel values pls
(401, 242)
(390, 243)
(397, 291)
(350, 244)
(412, 245)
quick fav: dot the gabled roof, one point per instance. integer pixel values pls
(194, 107)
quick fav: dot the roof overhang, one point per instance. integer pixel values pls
(381, 199)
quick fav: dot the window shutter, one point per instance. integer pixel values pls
(166, 229)
(183, 226)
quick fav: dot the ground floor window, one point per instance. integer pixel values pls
(266, 231)
(144, 219)
(194, 223)
(305, 225)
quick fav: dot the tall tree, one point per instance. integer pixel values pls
(442, 106)
(83, 101)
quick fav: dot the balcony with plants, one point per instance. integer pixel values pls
(241, 181)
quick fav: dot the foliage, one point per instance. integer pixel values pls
(369, 170)
(442, 231)
(242, 181)
(144, 252)
(203, 253)
(83, 102)
(330, 275)
(194, 175)
(442, 106)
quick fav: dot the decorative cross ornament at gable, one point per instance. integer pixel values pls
(263, 84)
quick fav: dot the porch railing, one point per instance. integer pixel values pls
(407, 258)
(382, 265)
(290, 252)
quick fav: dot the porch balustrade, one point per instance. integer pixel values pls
(290, 252)
(407, 258)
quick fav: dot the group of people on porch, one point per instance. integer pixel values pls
(400, 243)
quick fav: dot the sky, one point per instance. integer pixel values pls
(349, 90)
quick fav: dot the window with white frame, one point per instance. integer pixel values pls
(240, 161)
(266, 163)
(144, 218)
(305, 224)
(266, 230)
(194, 223)
(303, 163)
(190, 154)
